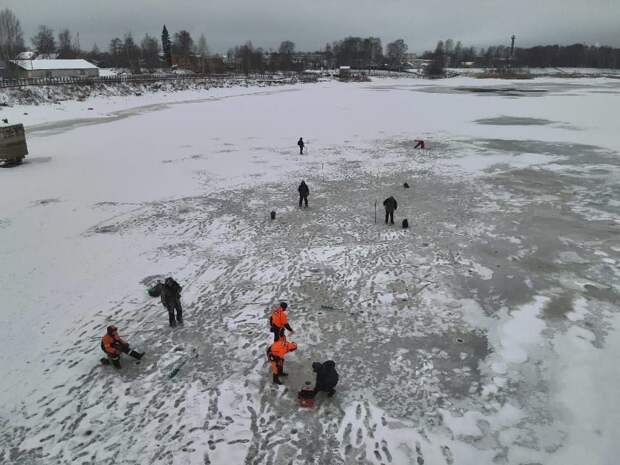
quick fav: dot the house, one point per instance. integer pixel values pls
(53, 68)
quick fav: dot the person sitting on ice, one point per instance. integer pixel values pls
(326, 377)
(112, 344)
(419, 144)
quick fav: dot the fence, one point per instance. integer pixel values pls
(143, 78)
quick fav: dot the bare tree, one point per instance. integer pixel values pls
(117, 57)
(44, 41)
(132, 52)
(183, 44)
(436, 67)
(203, 53)
(287, 48)
(65, 45)
(372, 51)
(150, 52)
(202, 48)
(396, 53)
(11, 35)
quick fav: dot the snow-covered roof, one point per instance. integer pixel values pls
(34, 65)
(26, 56)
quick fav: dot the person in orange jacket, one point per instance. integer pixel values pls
(112, 344)
(279, 321)
(276, 353)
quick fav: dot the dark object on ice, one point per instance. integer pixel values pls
(326, 377)
(306, 395)
(5, 120)
(406, 186)
(171, 299)
(13, 148)
(113, 345)
(419, 144)
(304, 192)
(174, 372)
(390, 205)
(155, 291)
(301, 144)
(273, 215)
(405, 224)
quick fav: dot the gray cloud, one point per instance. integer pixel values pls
(312, 23)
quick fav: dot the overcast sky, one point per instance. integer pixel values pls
(312, 23)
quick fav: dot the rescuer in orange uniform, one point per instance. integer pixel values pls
(279, 321)
(112, 344)
(276, 353)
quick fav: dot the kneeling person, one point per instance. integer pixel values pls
(326, 377)
(112, 344)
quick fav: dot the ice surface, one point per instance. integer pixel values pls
(486, 333)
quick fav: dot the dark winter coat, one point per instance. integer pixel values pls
(326, 375)
(303, 189)
(390, 204)
(300, 142)
(170, 292)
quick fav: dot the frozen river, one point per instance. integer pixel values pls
(488, 332)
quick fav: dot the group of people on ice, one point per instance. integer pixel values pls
(113, 345)
(326, 374)
(170, 293)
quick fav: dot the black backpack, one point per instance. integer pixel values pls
(405, 223)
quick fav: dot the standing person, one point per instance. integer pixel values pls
(301, 144)
(276, 353)
(171, 299)
(304, 192)
(112, 344)
(326, 377)
(390, 205)
(279, 321)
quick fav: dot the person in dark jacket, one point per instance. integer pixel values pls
(390, 205)
(326, 377)
(304, 192)
(301, 144)
(171, 299)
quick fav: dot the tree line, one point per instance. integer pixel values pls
(181, 50)
(451, 54)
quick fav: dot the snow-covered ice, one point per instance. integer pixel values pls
(488, 332)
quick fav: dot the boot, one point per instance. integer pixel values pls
(276, 380)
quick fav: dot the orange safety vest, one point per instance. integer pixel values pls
(279, 318)
(107, 342)
(281, 347)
